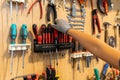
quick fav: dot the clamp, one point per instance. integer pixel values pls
(95, 20)
(51, 7)
(40, 4)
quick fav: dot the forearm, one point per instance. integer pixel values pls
(97, 47)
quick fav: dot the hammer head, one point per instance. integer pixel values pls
(117, 25)
(106, 24)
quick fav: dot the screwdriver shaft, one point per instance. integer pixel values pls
(11, 64)
(23, 54)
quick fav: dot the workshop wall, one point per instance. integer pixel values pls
(35, 62)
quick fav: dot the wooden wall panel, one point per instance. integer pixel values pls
(36, 63)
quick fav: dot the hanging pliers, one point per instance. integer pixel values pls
(40, 4)
(51, 7)
(95, 21)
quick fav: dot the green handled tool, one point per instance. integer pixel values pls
(13, 34)
(96, 72)
(24, 35)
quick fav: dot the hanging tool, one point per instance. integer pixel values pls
(24, 35)
(95, 21)
(35, 30)
(73, 8)
(51, 8)
(96, 72)
(106, 25)
(104, 6)
(43, 26)
(37, 36)
(111, 41)
(51, 74)
(56, 42)
(17, 7)
(78, 67)
(115, 34)
(13, 34)
(40, 4)
(11, 5)
(104, 71)
(81, 2)
(28, 77)
(50, 42)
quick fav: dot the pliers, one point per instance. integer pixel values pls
(95, 21)
(51, 7)
(40, 4)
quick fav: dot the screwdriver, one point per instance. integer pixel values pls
(43, 26)
(56, 42)
(11, 8)
(49, 42)
(13, 34)
(35, 31)
(24, 34)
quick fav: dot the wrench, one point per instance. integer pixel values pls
(70, 9)
(74, 8)
(77, 21)
(76, 25)
(77, 16)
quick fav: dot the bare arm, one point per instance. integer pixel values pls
(97, 47)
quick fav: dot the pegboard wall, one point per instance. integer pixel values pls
(36, 62)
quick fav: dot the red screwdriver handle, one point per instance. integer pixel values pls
(43, 27)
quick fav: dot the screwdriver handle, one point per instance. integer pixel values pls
(49, 32)
(96, 74)
(43, 27)
(39, 38)
(24, 33)
(35, 30)
(52, 35)
(105, 69)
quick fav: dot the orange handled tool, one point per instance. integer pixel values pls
(40, 4)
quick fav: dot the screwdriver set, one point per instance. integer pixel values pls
(49, 39)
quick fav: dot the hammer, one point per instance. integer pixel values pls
(106, 25)
(115, 32)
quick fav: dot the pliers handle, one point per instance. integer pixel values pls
(40, 4)
(95, 21)
(51, 7)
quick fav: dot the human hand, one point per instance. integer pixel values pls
(61, 25)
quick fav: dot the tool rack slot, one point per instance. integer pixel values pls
(51, 47)
(17, 47)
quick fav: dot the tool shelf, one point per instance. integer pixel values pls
(51, 47)
(80, 54)
(18, 47)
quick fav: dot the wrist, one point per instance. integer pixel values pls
(69, 31)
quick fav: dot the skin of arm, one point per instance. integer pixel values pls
(97, 47)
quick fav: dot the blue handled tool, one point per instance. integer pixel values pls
(104, 71)
(24, 35)
(13, 34)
